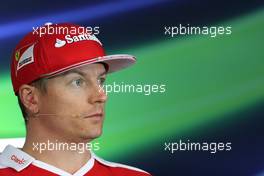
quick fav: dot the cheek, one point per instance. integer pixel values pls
(64, 107)
(65, 103)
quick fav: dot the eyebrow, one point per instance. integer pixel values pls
(73, 71)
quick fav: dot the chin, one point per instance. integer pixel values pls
(92, 134)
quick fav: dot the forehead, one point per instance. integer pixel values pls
(90, 69)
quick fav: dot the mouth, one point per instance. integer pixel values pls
(97, 116)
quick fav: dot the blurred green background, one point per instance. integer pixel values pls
(206, 79)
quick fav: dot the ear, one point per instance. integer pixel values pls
(29, 96)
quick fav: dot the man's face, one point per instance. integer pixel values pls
(75, 102)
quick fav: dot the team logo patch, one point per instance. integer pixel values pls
(26, 58)
(17, 54)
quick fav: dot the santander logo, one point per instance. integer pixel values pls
(68, 39)
(17, 160)
(59, 43)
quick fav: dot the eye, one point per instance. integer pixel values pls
(78, 82)
(101, 81)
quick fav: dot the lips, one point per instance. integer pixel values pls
(95, 115)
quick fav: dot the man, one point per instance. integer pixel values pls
(58, 79)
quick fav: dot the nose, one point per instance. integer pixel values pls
(98, 94)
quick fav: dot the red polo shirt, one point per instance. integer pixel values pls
(15, 162)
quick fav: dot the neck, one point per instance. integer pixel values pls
(56, 151)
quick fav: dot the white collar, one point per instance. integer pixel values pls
(17, 159)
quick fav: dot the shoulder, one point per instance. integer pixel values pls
(5, 170)
(120, 169)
